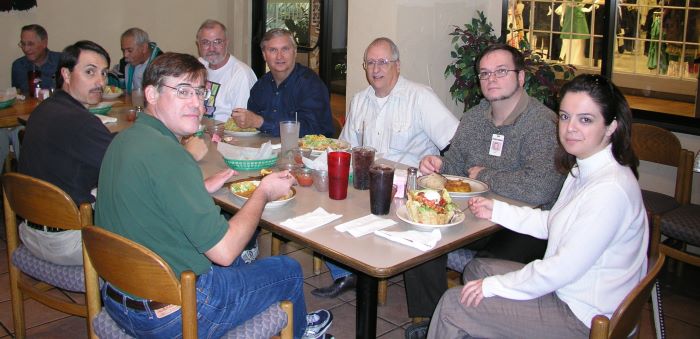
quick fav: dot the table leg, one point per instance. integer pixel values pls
(366, 312)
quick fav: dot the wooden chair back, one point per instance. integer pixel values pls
(655, 144)
(46, 204)
(628, 314)
(136, 270)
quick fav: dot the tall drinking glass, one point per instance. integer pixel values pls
(338, 172)
(362, 159)
(381, 182)
(137, 99)
(289, 134)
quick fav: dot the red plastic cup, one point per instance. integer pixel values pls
(338, 172)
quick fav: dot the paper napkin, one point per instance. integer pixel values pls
(106, 119)
(423, 241)
(364, 225)
(245, 153)
(310, 221)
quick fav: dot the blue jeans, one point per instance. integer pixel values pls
(226, 297)
(337, 271)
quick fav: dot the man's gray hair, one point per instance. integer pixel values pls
(377, 41)
(140, 36)
(277, 32)
(209, 24)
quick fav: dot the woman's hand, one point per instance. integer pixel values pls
(471, 293)
(481, 207)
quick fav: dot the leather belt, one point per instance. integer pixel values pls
(131, 303)
(44, 228)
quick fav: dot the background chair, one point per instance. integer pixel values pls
(136, 264)
(44, 204)
(626, 318)
(655, 144)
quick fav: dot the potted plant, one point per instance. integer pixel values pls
(540, 78)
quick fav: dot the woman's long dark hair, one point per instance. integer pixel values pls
(613, 106)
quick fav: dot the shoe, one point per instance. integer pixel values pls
(251, 254)
(417, 331)
(339, 286)
(317, 323)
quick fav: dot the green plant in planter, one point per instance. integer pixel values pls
(468, 42)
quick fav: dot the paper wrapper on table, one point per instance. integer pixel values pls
(106, 119)
(423, 241)
(365, 225)
(246, 153)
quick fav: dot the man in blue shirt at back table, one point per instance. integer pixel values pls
(34, 41)
(288, 91)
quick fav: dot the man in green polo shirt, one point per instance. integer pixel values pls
(152, 192)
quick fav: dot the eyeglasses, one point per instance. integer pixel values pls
(215, 43)
(499, 73)
(23, 44)
(381, 63)
(186, 91)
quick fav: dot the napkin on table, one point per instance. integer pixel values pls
(423, 241)
(310, 221)
(106, 119)
(364, 225)
(320, 163)
(245, 153)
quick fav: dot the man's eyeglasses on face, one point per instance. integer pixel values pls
(381, 63)
(215, 43)
(23, 44)
(499, 73)
(186, 91)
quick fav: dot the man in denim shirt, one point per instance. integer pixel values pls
(289, 91)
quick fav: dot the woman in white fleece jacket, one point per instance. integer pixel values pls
(597, 234)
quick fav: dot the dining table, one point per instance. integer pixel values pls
(370, 256)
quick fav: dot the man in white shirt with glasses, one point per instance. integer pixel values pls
(228, 78)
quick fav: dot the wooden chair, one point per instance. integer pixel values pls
(136, 264)
(655, 144)
(44, 204)
(626, 318)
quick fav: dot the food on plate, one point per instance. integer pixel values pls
(109, 89)
(434, 181)
(458, 186)
(232, 127)
(318, 142)
(265, 171)
(429, 206)
(245, 189)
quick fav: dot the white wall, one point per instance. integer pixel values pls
(420, 28)
(171, 23)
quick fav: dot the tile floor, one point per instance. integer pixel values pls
(681, 302)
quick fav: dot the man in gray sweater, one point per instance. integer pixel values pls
(507, 141)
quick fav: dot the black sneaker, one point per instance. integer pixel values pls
(317, 323)
(418, 331)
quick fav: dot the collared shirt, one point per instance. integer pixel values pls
(22, 66)
(408, 124)
(64, 145)
(152, 192)
(302, 96)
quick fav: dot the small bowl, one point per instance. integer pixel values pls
(304, 177)
(7, 103)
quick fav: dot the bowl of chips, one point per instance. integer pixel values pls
(111, 92)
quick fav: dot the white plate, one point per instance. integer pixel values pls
(241, 133)
(402, 213)
(271, 204)
(478, 187)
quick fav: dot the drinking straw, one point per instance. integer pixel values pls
(362, 134)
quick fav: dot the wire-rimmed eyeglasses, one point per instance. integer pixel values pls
(186, 91)
(215, 42)
(499, 73)
(381, 63)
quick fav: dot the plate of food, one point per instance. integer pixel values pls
(244, 189)
(429, 209)
(319, 143)
(101, 108)
(111, 92)
(230, 128)
(458, 187)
